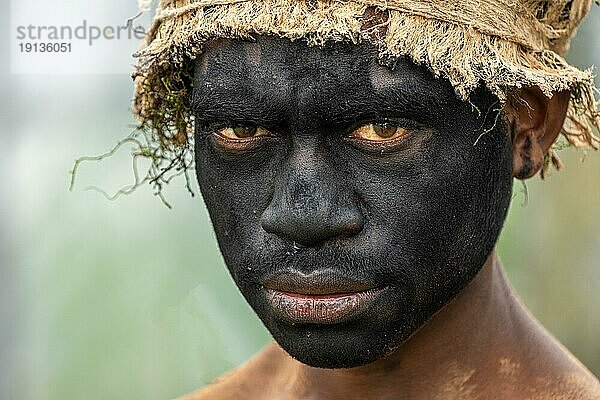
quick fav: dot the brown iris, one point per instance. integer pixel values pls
(378, 132)
(242, 132)
(385, 130)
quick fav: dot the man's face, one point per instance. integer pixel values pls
(350, 200)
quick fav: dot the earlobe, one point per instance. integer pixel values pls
(536, 123)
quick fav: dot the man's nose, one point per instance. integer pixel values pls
(310, 206)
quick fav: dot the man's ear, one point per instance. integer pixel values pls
(536, 122)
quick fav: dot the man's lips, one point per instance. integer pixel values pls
(323, 297)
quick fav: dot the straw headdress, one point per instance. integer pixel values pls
(502, 44)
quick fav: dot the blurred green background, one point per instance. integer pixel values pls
(127, 299)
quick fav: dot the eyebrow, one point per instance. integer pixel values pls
(233, 105)
(395, 100)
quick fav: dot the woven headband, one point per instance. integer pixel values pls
(481, 16)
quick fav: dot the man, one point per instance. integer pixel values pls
(357, 165)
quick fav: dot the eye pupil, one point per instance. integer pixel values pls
(385, 130)
(244, 131)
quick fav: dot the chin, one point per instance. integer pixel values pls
(333, 346)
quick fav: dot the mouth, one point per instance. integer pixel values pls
(319, 298)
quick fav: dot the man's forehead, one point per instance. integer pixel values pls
(347, 63)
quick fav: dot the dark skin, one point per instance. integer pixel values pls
(330, 170)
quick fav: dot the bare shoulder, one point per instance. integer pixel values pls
(251, 380)
(545, 370)
(555, 377)
(558, 374)
(562, 377)
(540, 383)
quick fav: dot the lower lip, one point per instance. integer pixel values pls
(320, 309)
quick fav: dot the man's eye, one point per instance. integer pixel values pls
(242, 132)
(378, 132)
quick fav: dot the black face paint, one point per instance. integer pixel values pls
(306, 206)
